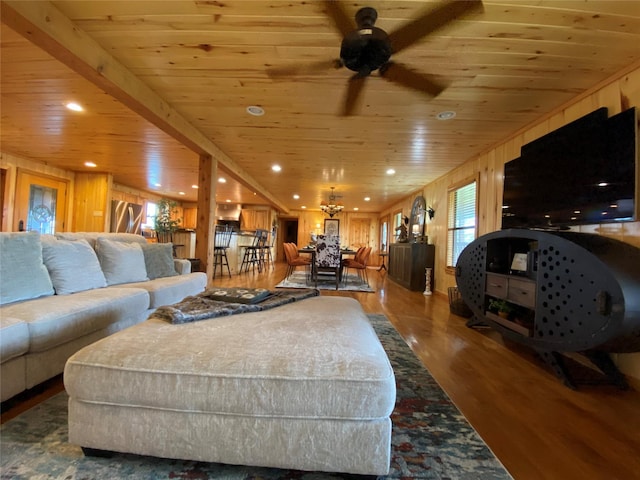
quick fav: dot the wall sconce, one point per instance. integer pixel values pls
(431, 212)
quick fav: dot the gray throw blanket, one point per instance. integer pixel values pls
(202, 306)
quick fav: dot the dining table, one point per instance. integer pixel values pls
(311, 250)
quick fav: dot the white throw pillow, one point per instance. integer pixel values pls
(22, 274)
(73, 266)
(121, 262)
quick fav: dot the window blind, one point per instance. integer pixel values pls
(461, 222)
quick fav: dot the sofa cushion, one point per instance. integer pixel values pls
(92, 237)
(121, 262)
(158, 259)
(22, 273)
(169, 290)
(14, 338)
(57, 319)
(73, 266)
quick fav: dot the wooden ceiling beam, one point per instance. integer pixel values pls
(48, 28)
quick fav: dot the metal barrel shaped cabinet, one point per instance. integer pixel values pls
(556, 292)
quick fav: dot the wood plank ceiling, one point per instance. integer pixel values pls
(504, 68)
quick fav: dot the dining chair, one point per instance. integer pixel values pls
(358, 263)
(328, 258)
(294, 260)
(221, 242)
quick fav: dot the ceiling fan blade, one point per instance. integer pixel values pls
(354, 89)
(341, 20)
(431, 20)
(304, 68)
(398, 73)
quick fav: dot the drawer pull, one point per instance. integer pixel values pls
(603, 303)
(497, 285)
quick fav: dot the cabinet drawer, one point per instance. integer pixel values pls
(496, 285)
(522, 292)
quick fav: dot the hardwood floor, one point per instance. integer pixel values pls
(537, 427)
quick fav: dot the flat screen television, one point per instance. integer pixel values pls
(583, 173)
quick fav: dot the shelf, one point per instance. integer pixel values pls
(509, 324)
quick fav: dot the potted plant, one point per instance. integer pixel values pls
(166, 222)
(501, 307)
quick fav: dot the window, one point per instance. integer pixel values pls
(397, 221)
(461, 222)
(384, 235)
(150, 218)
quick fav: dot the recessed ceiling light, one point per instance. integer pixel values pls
(74, 106)
(255, 110)
(194, 186)
(296, 196)
(446, 115)
(157, 185)
(276, 168)
(180, 193)
(367, 199)
(222, 180)
(391, 171)
(355, 209)
(228, 201)
(90, 164)
(303, 207)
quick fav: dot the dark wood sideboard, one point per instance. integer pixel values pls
(408, 263)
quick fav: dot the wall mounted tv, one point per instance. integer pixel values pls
(586, 172)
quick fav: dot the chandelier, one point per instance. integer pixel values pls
(332, 207)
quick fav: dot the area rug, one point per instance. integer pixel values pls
(299, 280)
(431, 440)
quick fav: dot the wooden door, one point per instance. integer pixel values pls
(359, 232)
(41, 203)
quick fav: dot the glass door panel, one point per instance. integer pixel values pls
(40, 203)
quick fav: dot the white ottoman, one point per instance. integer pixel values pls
(304, 386)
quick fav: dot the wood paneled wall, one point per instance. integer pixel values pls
(92, 207)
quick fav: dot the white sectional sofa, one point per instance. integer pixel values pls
(60, 293)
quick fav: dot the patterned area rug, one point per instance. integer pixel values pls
(299, 280)
(431, 439)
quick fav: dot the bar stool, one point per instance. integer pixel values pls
(266, 255)
(221, 242)
(252, 252)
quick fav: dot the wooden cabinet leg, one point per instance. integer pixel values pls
(603, 361)
(556, 362)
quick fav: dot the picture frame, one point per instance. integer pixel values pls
(519, 263)
(331, 226)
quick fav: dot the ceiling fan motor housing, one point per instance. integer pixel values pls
(365, 50)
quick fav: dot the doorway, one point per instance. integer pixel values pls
(41, 203)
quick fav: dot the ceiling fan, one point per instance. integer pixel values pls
(366, 48)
